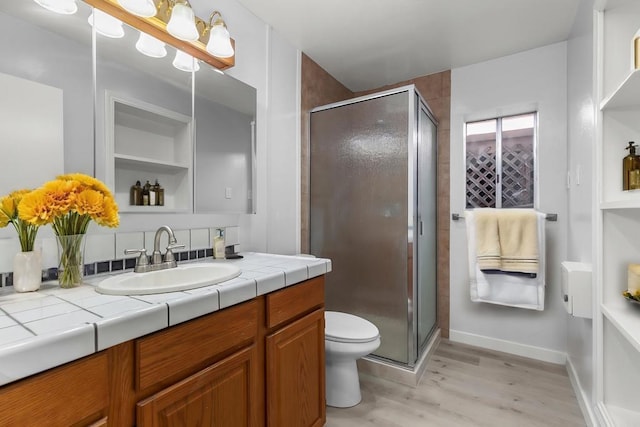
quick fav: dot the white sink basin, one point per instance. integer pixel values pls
(181, 278)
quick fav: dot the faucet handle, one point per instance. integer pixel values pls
(142, 260)
(168, 256)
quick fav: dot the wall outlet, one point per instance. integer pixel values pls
(227, 192)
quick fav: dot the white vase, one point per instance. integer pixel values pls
(27, 271)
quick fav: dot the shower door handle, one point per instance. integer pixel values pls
(420, 226)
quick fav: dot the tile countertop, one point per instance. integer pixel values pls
(50, 327)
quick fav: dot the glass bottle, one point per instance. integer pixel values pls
(135, 194)
(145, 193)
(629, 163)
(159, 194)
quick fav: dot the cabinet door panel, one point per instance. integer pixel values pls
(295, 373)
(220, 395)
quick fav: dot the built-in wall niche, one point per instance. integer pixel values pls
(146, 142)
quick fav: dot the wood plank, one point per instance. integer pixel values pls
(290, 303)
(468, 386)
(73, 394)
(171, 354)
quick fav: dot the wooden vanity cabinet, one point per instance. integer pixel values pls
(295, 386)
(75, 394)
(259, 363)
(220, 395)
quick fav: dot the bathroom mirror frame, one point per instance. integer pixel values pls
(89, 158)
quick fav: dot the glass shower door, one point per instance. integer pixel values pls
(359, 213)
(427, 210)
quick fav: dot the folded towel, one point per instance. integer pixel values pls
(487, 239)
(506, 240)
(518, 233)
(520, 291)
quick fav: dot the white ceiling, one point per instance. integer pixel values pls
(366, 44)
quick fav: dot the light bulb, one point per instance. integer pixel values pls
(151, 46)
(106, 24)
(143, 8)
(64, 7)
(219, 42)
(182, 24)
(185, 62)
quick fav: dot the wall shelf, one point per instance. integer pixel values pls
(626, 319)
(627, 95)
(622, 204)
(146, 142)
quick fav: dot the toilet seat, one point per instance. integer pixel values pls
(347, 328)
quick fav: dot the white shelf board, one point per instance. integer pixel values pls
(627, 95)
(151, 209)
(625, 316)
(132, 162)
(623, 417)
(621, 204)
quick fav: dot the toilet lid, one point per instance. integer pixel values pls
(345, 327)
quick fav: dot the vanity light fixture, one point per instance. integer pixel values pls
(185, 62)
(219, 40)
(63, 7)
(174, 23)
(142, 8)
(182, 24)
(150, 46)
(106, 24)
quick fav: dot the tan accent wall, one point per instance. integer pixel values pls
(320, 88)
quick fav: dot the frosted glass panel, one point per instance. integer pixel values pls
(358, 212)
(426, 300)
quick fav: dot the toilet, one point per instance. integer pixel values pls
(346, 339)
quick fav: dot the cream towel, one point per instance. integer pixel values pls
(487, 239)
(518, 233)
(507, 240)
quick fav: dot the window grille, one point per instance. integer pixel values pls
(500, 162)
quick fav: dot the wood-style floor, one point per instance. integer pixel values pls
(468, 386)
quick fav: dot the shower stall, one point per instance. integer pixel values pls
(373, 213)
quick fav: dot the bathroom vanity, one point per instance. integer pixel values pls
(258, 362)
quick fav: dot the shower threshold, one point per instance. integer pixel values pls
(383, 368)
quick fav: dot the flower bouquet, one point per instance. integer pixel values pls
(27, 265)
(69, 203)
(9, 214)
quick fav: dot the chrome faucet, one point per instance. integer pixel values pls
(157, 262)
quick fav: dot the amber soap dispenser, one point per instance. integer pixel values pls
(630, 168)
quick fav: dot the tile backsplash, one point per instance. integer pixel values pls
(104, 253)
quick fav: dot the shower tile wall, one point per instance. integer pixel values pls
(320, 88)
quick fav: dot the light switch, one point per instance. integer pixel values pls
(227, 192)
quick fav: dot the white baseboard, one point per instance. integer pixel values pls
(583, 398)
(510, 347)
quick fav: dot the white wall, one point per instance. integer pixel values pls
(581, 140)
(269, 63)
(531, 80)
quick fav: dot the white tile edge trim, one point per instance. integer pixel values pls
(582, 397)
(524, 350)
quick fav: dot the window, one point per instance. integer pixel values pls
(500, 162)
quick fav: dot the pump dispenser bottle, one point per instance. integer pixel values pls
(218, 244)
(630, 163)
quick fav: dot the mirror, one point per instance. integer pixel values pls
(225, 113)
(209, 167)
(144, 122)
(46, 105)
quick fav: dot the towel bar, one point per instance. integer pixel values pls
(549, 217)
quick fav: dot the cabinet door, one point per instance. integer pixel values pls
(222, 395)
(295, 373)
